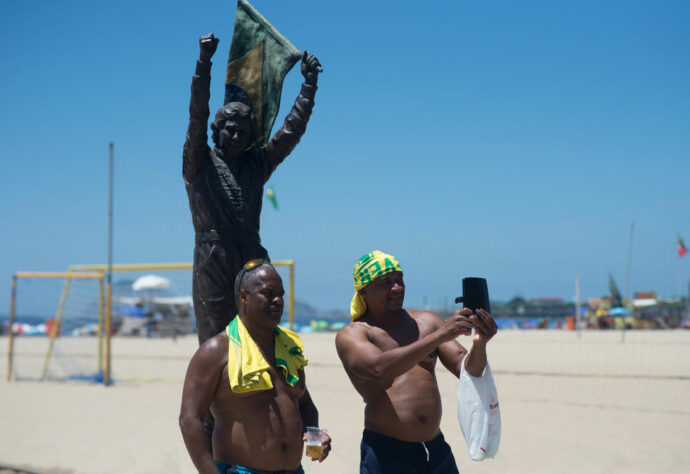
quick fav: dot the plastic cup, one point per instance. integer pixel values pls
(315, 437)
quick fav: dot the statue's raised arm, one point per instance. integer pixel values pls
(225, 181)
(196, 144)
(288, 136)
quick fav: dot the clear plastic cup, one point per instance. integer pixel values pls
(315, 436)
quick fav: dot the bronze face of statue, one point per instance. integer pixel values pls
(232, 130)
(225, 186)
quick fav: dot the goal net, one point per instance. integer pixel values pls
(67, 344)
(150, 335)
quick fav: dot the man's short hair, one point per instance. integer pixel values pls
(246, 277)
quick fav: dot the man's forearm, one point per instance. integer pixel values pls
(475, 361)
(394, 362)
(451, 354)
(307, 410)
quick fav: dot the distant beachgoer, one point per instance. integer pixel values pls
(390, 355)
(251, 378)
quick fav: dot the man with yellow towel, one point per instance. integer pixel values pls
(390, 355)
(251, 377)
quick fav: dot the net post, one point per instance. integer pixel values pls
(10, 349)
(109, 287)
(108, 295)
(101, 302)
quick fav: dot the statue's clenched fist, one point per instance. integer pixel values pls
(311, 67)
(207, 46)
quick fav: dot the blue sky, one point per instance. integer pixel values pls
(512, 140)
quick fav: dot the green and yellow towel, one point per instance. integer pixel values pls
(247, 368)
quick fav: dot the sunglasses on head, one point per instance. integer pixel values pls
(251, 265)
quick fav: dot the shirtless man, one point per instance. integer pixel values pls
(260, 417)
(390, 355)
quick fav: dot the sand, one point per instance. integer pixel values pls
(569, 404)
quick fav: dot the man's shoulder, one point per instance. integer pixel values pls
(214, 345)
(211, 357)
(353, 327)
(353, 331)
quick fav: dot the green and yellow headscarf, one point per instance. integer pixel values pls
(367, 269)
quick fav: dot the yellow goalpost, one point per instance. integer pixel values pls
(54, 330)
(74, 350)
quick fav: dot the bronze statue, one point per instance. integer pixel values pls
(225, 186)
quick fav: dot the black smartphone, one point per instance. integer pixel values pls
(475, 294)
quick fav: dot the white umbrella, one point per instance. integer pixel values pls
(150, 282)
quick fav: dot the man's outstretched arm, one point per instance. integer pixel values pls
(366, 360)
(288, 136)
(196, 144)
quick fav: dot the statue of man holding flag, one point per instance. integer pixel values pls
(225, 184)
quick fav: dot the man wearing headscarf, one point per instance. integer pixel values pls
(390, 355)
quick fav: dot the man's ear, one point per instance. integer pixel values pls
(244, 294)
(213, 126)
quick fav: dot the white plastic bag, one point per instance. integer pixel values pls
(479, 414)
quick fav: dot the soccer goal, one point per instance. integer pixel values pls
(140, 327)
(37, 347)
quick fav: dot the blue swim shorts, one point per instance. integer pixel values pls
(230, 469)
(380, 454)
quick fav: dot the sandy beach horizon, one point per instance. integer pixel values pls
(569, 404)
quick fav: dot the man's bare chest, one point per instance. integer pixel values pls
(281, 388)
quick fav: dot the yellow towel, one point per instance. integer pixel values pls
(247, 367)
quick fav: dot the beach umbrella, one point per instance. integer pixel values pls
(150, 282)
(619, 312)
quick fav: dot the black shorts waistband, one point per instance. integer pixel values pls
(374, 437)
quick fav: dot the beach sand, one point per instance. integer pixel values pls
(569, 404)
